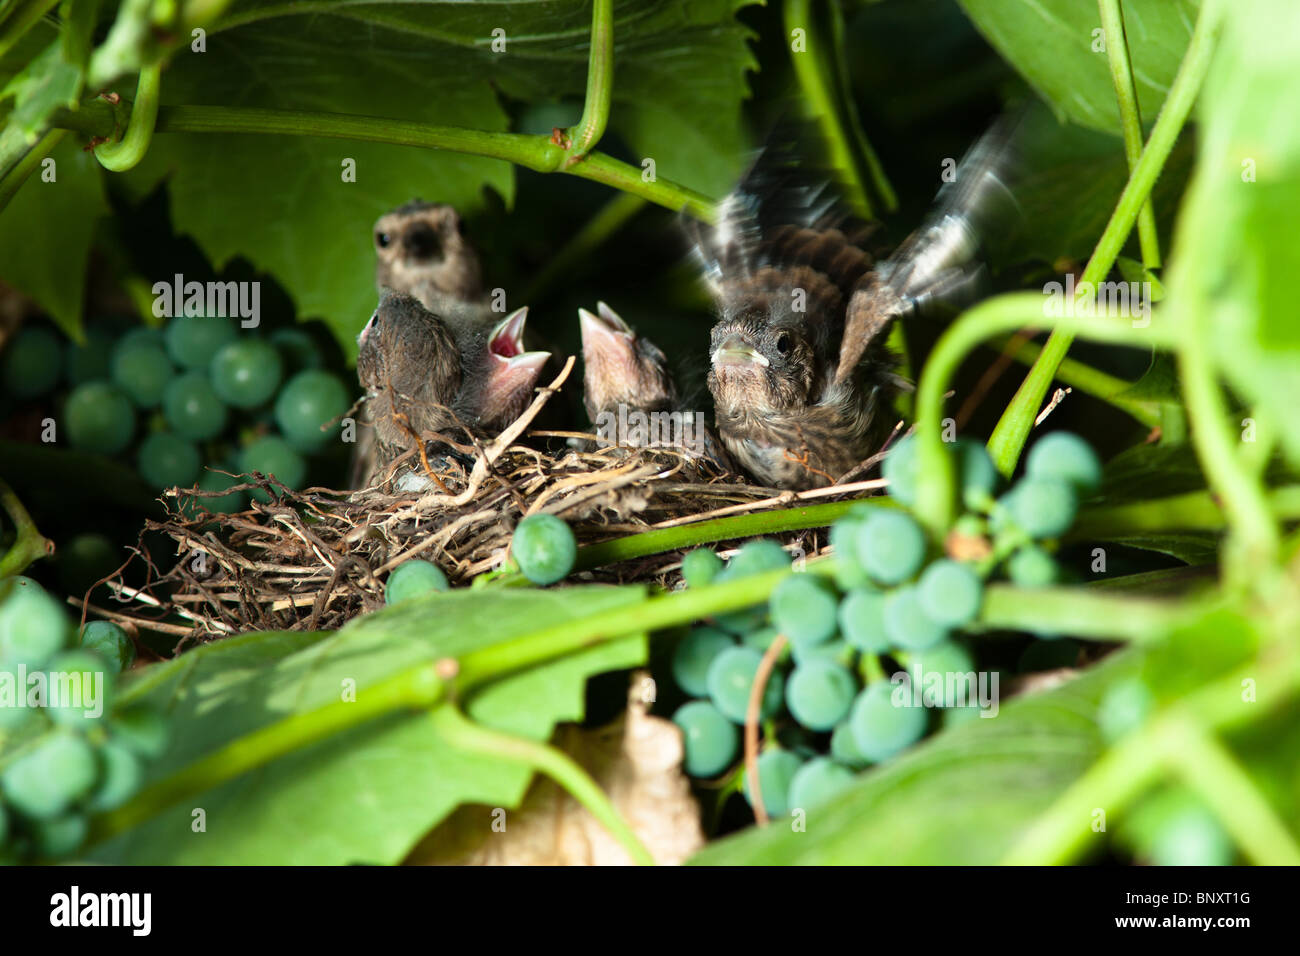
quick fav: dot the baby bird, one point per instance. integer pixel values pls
(799, 368)
(419, 379)
(421, 249)
(629, 392)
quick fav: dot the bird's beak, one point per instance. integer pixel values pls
(605, 335)
(735, 351)
(365, 332)
(507, 339)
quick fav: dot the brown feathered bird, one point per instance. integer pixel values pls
(630, 394)
(421, 379)
(800, 371)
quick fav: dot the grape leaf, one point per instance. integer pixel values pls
(46, 230)
(962, 797)
(1051, 43)
(1238, 276)
(367, 794)
(281, 202)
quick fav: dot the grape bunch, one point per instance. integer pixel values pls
(893, 595)
(198, 394)
(77, 755)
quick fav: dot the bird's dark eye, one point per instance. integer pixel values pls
(783, 344)
(382, 239)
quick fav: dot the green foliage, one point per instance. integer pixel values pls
(365, 795)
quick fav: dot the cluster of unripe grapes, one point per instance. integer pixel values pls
(74, 755)
(184, 396)
(893, 594)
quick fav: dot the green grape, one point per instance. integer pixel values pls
(142, 335)
(711, 742)
(977, 473)
(818, 781)
(192, 340)
(121, 774)
(413, 578)
(246, 373)
(166, 460)
(906, 623)
(1042, 507)
(90, 362)
(33, 625)
(14, 713)
(803, 608)
(1124, 708)
(743, 622)
(192, 408)
(32, 362)
(140, 728)
(890, 546)
(1193, 837)
(544, 547)
(776, 771)
(85, 559)
(223, 504)
(85, 681)
(1064, 456)
(693, 655)
(110, 642)
(99, 418)
(308, 401)
(755, 557)
(1048, 655)
(1032, 567)
(700, 567)
(881, 729)
(838, 651)
(844, 749)
(62, 836)
(44, 782)
(297, 349)
(141, 371)
(956, 681)
(950, 592)
(848, 573)
(819, 693)
(272, 455)
(862, 620)
(901, 470)
(730, 677)
(760, 638)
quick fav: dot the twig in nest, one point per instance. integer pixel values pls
(761, 676)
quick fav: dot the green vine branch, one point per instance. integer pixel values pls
(1008, 438)
(1130, 119)
(600, 84)
(474, 738)
(533, 152)
(29, 544)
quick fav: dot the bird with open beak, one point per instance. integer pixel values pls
(420, 380)
(800, 373)
(629, 392)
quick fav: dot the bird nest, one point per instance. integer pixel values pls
(316, 558)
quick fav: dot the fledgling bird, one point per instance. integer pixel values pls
(419, 378)
(630, 394)
(421, 249)
(800, 372)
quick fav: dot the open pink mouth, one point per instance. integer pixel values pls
(508, 337)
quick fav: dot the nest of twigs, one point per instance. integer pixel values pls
(314, 559)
